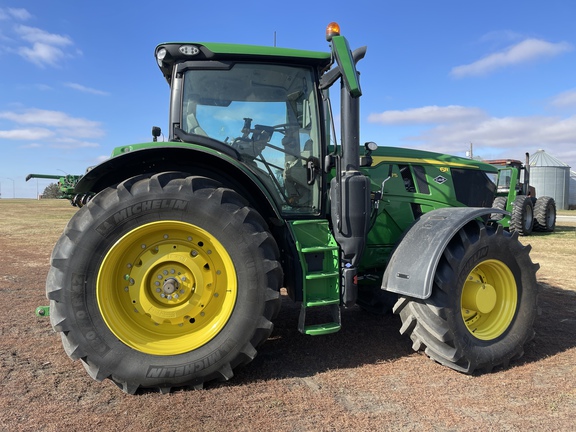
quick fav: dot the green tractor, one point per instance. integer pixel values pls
(526, 213)
(66, 184)
(169, 275)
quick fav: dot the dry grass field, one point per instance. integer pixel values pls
(364, 378)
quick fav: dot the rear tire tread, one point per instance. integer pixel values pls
(169, 181)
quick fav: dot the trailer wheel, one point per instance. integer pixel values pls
(164, 281)
(545, 214)
(522, 220)
(483, 305)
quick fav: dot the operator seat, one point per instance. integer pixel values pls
(193, 127)
(191, 123)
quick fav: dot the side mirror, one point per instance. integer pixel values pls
(156, 132)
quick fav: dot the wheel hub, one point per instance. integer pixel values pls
(479, 296)
(170, 285)
(489, 299)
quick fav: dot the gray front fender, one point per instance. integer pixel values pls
(413, 263)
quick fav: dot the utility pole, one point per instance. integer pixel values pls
(470, 153)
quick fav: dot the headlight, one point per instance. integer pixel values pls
(160, 54)
(190, 50)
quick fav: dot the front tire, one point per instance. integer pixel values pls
(164, 281)
(500, 204)
(483, 305)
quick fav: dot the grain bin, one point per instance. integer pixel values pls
(572, 199)
(550, 177)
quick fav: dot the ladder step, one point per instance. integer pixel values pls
(319, 254)
(322, 302)
(309, 222)
(321, 329)
(322, 275)
(319, 249)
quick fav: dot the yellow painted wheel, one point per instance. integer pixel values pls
(166, 288)
(489, 299)
(481, 312)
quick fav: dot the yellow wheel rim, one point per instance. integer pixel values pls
(489, 299)
(166, 288)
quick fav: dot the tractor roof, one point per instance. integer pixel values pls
(168, 54)
(504, 162)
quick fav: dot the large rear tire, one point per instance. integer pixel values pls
(483, 305)
(522, 220)
(545, 214)
(164, 281)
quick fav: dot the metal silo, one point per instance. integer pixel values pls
(572, 199)
(550, 177)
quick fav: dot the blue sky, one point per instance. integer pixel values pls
(79, 78)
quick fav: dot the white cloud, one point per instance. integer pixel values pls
(491, 136)
(44, 48)
(68, 143)
(427, 114)
(31, 146)
(42, 54)
(564, 100)
(526, 51)
(85, 89)
(36, 35)
(102, 158)
(58, 123)
(18, 13)
(26, 134)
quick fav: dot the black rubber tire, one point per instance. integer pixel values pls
(500, 204)
(545, 214)
(204, 203)
(436, 325)
(522, 220)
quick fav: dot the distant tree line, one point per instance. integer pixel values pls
(51, 191)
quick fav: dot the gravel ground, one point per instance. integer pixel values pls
(364, 378)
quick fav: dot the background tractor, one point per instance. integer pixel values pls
(66, 183)
(515, 195)
(170, 273)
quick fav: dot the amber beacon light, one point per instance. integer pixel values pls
(333, 29)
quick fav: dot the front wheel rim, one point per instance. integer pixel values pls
(166, 288)
(489, 299)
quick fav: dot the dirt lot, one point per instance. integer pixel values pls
(364, 378)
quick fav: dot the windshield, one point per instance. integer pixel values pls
(269, 114)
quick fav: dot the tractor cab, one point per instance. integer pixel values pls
(259, 106)
(512, 173)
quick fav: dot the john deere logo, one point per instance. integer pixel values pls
(440, 179)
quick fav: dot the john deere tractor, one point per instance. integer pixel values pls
(66, 183)
(169, 275)
(515, 195)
